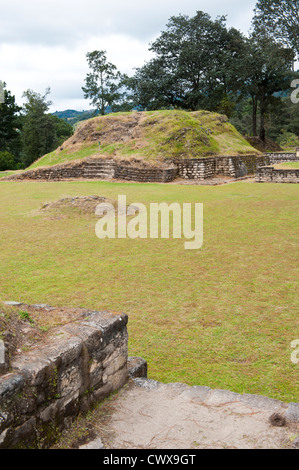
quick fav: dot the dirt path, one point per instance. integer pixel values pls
(150, 415)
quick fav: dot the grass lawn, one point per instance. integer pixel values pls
(3, 174)
(222, 316)
(288, 165)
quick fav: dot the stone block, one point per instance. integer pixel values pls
(137, 367)
(81, 363)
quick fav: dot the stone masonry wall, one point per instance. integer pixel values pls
(279, 157)
(96, 168)
(130, 173)
(270, 174)
(89, 168)
(232, 167)
(82, 363)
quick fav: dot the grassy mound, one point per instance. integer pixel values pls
(151, 136)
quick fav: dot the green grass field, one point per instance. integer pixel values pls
(290, 165)
(223, 316)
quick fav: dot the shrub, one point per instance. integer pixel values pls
(7, 161)
(288, 139)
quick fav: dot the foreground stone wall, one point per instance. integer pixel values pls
(270, 174)
(96, 168)
(81, 364)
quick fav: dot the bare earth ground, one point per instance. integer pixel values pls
(150, 415)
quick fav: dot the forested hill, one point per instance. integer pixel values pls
(72, 116)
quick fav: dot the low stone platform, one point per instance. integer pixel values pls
(269, 174)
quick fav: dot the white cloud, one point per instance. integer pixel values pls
(63, 69)
(44, 43)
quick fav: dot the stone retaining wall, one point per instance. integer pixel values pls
(146, 175)
(282, 157)
(89, 169)
(82, 363)
(100, 169)
(232, 167)
(270, 174)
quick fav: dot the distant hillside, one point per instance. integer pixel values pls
(151, 136)
(72, 116)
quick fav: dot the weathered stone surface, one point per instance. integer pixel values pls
(218, 396)
(96, 444)
(33, 367)
(81, 363)
(259, 401)
(137, 367)
(197, 393)
(269, 174)
(10, 385)
(292, 413)
(147, 383)
(4, 358)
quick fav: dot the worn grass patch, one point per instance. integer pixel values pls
(223, 316)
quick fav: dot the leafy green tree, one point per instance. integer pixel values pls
(10, 124)
(194, 67)
(38, 130)
(152, 88)
(42, 132)
(103, 85)
(283, 120)
(7, 161)
(63, 130)
(280, 18)
(267, 71)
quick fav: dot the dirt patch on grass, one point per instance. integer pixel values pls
(77, 204)
(85, 205)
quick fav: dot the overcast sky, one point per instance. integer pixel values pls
(44, 43)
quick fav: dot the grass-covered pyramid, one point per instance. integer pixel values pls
(151, 136)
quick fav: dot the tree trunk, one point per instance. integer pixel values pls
(254, 117)
(262, 122)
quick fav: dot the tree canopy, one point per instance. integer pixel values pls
(280, 18)
(42, 132)
(9, 121)
(103, 84)
(199, 63)
(193, 65)
(267, 70)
